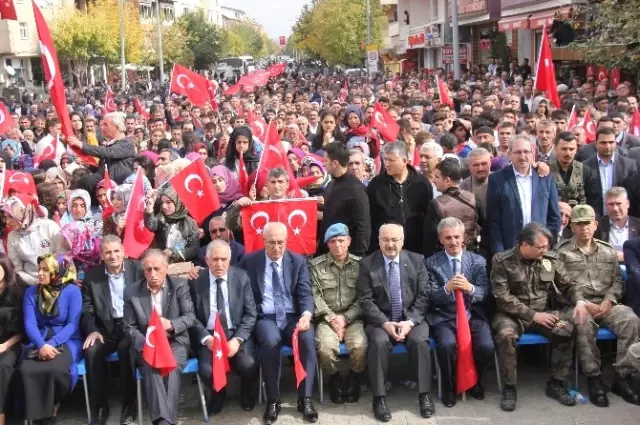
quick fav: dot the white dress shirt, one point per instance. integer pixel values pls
(268, 306)
(618, 235)
(525, 188)
(157, 299)
(213, 300)
(116, 288)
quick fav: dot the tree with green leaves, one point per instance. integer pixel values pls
(174, 47)
(204, 39)
(247, 38)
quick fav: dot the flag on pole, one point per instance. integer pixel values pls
(298, 368)
(545, 73)
(157, 350)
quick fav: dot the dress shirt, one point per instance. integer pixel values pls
(525, 188)
(606, 178)
(157, 298)
(450, 258)
(213, 301)
(618, 235)
(388, 261)
(116, 287)
(268, 306)
(619, 138)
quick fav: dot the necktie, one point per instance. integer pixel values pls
(454, 266)
(221, 305)
(278, 297)
(396, 297)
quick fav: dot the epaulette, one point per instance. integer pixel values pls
(355, 257)
(551, 254)
(562, 243)
(318, 260)
(505, 254)
(607, 244)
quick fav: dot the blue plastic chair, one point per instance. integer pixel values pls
(190, 367)
(603, 334)
(525, 339)
(82, 372)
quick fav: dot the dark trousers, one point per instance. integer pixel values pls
(447, 348)
(270, 340)
(97, 369)
(380, 345)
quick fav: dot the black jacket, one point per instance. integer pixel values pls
(118, 157)
(404, 204)
(346, 202)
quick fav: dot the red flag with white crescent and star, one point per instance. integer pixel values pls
(157, 350)
(8, 10)
(443, 92)
(108, 209)
(201, 198)
(300, 216)
(545, 73)
(297, 364)
(258, 125)
(190, 84)
(220, 354)
(20, 182)
(6, 120)
(589, 126)
(573, 119)
(109, 102)
(137, 237)
(466, 373)
(243, 177)
(344, 91)
(384, 123)
(140, 109)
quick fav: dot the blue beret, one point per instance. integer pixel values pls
(334, 230)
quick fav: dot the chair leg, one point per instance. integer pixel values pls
(139, 391)
(260, 385)
(203, 402)
(495, 355)
(577, 372)
(86, 398)
(438, 375)
(320, 376)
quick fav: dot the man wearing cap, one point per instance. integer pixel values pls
(593, 267)
(333, 280)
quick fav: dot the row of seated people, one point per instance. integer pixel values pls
(369, 303)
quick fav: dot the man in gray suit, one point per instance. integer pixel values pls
(170, 297)
(393, 290)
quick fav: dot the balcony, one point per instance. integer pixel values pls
(394, 29)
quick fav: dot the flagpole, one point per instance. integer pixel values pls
(535, 78)
(255, 182)
(123, 73)
(126, 213)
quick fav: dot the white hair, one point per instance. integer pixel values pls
(519, 137)
(450, 222)
(273, 226)
(433, 147)
(218, 243)
(391, 226)
(117, 119)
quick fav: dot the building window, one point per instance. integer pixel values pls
(145, 11)
(168, 14)
(24, 31)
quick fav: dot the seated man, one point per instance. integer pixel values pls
(282, 290)
(631, 249)
(170, 297)
(521, 279)
(594, 268)
(218, 230)
(102, 311)
(334, 277)
(393, 290)
(450, 270)
(226, 290)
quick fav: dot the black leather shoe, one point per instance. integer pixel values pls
(217, 401)
(336, 394)
(271, 412)
(427, 408)
(247, 402)
(449, 398)
(381, 410)
(597, 393)
(509, 398)
(100, 417)
(477, 392)
(305, 406)
(352, 389)
(557, 390)
(128, 414)
(622, 388)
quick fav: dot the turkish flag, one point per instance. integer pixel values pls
(634, 124)
(258, 125)
(589, 126)
(277, 69)
(297, 364)
(423, 86)
(109, 102)
(466, 374)
(6, 120)
(300, 216)
(49, 151)
(384, 123)
(243, 177)
(137, 237)
(274, 156)
(200, 199)
(591, 70)
(257, 78)
(394, 81)
(212, 88)
(443, 91)
(220, 353)
(8, 10)
(344, 91)
(601, 72)
(545, 74)
(190, 84)
(18, 181)
(233, 90)
(157, 350)
(614, 75)
(108, 208)
(140, 109)
(573, 119)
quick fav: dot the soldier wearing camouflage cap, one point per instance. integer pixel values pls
(333, 281)
(593, 267)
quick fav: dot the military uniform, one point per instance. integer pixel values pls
(571, 185)
(521, 288)
(334, 292)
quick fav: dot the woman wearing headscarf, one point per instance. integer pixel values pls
(176, 232)
(31, 236)
(79, 209)
(355, 127)
(103, 191)
(314, 168)
(59, 177)
(82, 241)
(14, 149)
(229, 191)
(5, 161)
(241, 143)
(47, 371)
(295, 156)
(116, 222)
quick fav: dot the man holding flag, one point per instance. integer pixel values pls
(451, 272)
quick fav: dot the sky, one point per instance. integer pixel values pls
(276, 16)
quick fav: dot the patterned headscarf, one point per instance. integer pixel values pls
(15, 146)
(84, 195)
(84, 240)
(58, 173)
(62, 272)
(123, 192)
(24, 213)
(233, 190)
(181, 211)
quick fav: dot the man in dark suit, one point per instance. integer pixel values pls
(218, 229)
(170, 297)
(631, 249)
(282, 290)
(517, 196)
(102, 311)
(612, 167)
(394, 293)
(623, 137)
(226, 290)
(450, 270)
(617, 226)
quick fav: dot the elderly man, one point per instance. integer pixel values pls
(565, 225)
(546, 134)
(117, 152)
(357, 166)
(479, 160)
(430, 155)
(102, 321)
(594, 268)
(282, 290)
(334, 277)
(224, 290)
(393, 291)
(218, 230)
(451, 270)
(169, 296)
(617, 226)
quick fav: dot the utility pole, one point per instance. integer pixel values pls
(160, 54)
(456, 39)
(123, 72)
(368, 22)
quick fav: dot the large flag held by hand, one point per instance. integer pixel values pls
(573, 119)
(110, 102)
(6, 120)
(190, 84)
(220, 353)
(200, 198)
(274, 155)
(589, 126)
(108, 209)
(384, 123)
(443, 91)
(466, 374)
(545, 73)
(137, 237)
(157, 350)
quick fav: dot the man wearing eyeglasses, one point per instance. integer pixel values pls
(218, 230)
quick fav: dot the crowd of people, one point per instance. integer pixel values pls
(493, 196)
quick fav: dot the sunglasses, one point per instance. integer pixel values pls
(218, 230)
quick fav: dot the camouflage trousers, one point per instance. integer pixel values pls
(631, 360)
(329, 347)
(623, 322)
(507, 331)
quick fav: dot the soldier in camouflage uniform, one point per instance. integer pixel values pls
(338, 313)
(521, 279)
(594, 269)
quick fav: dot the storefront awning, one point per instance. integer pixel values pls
(540, 19)
(513, 23)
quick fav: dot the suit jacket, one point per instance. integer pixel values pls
(629, 141)
(374, 292)
(504, 215)
(588, 151)
(634, 153)
(97, 306)
(242, 306)
(623, 167)
(604, 228)
(176, 307)
(631, 249)
(297, 280)
(443, 305)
